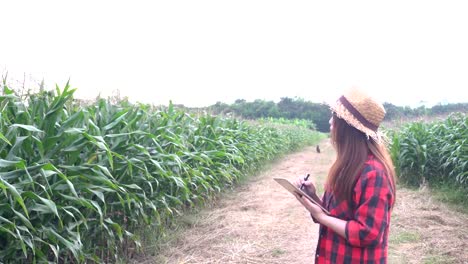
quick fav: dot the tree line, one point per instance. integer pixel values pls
(289, 108)
(319, 113)
(399, 112)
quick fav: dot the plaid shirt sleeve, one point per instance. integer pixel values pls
(372, 199)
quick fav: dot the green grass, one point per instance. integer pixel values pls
(455, 196)
(398, 237)
(438, 259)
(403, 236)
(278, 252)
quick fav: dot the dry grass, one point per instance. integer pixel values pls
(425, 230)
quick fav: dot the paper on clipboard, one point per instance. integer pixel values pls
(294, 190)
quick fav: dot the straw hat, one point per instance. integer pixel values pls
(361, 111)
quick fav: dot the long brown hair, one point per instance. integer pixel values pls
(352, 147)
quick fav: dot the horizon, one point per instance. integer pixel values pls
(198, 53)
(34, 82)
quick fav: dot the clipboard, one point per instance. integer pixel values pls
(294, 190)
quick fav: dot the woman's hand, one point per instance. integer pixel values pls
(314, 210)
(309, 187)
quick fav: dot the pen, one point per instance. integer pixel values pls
(305, 179)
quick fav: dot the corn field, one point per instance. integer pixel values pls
(77, 181)
(296, 122)
(433, 152)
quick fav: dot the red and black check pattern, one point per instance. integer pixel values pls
(368, 217)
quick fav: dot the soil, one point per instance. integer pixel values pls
(260, 222)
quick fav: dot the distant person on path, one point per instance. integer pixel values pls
(360, 188)
(317, 149)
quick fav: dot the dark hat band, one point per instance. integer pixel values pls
(357, 115)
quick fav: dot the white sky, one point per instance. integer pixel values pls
(200, 52)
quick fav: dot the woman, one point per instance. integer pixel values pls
(360, 188)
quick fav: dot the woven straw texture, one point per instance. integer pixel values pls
(368, 107)
(372, 110)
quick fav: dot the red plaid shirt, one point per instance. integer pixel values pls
(368, 217)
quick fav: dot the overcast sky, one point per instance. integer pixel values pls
(200, 52)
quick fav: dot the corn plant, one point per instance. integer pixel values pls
(436, 152)
(296, 122)
(78, 181)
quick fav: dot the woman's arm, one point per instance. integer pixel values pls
(370, 216)
(336, 224)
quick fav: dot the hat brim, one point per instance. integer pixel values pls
(342, 112)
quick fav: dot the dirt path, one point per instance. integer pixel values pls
(262, 223)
